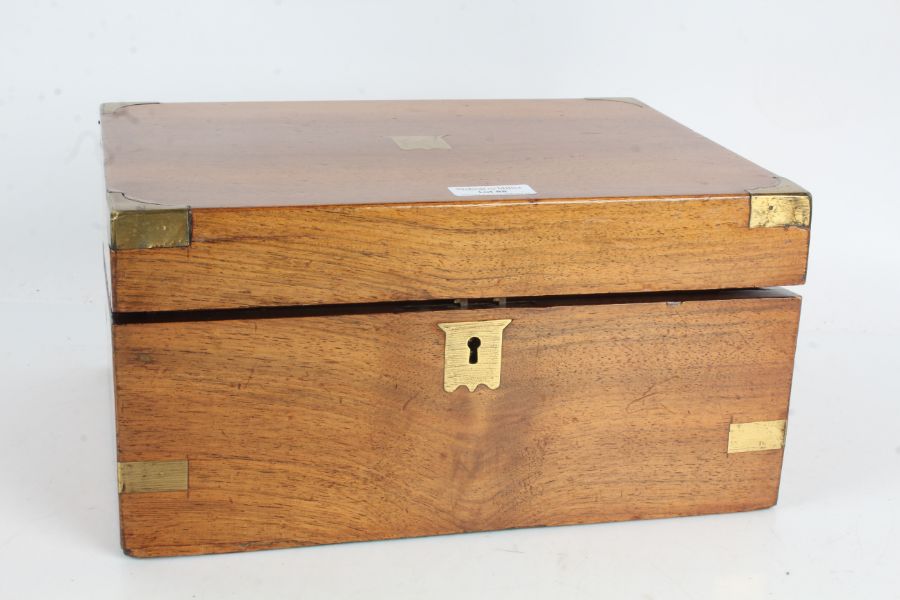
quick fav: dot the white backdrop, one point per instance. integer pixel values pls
(810, 90)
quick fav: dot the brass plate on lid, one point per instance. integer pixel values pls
(421, 142)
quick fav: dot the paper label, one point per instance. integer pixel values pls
(518, 189)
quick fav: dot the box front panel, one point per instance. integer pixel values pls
(357, 254)
(322, 429)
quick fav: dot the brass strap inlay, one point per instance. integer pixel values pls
(756, 436)
(153, 476)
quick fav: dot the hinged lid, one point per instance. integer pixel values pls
(232, 205)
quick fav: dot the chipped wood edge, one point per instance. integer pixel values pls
(108, 108)
(633, 101)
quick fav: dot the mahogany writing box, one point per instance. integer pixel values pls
(340, 321)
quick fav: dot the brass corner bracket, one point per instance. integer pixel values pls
(137, 225)
(756, 436)
(153, 476)
(784, 204)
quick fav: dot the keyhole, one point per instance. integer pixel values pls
(473, 344)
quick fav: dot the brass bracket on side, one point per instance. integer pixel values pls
(784, 204)
(472, 353)
(153, 476)
(139, 225)
(756, 436)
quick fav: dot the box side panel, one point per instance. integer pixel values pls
(315, 430)
(357, 254)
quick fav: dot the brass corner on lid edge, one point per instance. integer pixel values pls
(783, 204)
(136, 225)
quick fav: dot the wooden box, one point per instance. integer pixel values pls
(340, 321)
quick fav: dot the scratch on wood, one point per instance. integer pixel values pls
(410, 399)
(647, 394)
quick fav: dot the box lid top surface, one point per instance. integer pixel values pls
(250, 154)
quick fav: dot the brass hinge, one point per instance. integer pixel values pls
(756, 436)
(139, 225)
(153, 476)
(784, 204)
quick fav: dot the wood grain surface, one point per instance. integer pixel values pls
(352, 254)
(298, 203)
(241, 154)
(321, 429)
